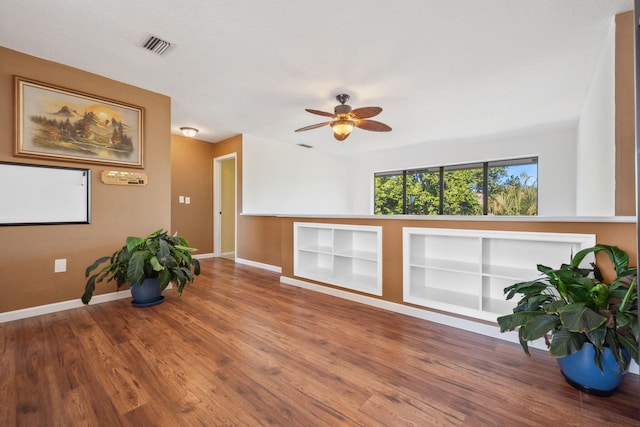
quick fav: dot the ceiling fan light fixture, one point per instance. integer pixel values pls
(189, 132)
(342, 128)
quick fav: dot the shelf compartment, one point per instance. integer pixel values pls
(316, 239)
(357, 274)
(499, 307)
(460, 248)
(349, 256)
(465, 271)
(314, 262)
(359, 254)
(493, 299)
(511, 273)
(446, 265)
(525, 253)
(458, 283)
(317, 249)
(356, 243)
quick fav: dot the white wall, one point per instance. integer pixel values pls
(281, 178)
(554, 145)
(595, 190)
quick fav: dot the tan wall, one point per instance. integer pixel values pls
(227, 198)
(259, 239)
(28, 252)
(620, 234)
(625, 116)
(192, 175)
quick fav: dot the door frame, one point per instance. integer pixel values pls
(217, 202)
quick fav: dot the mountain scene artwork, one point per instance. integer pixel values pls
(62, 124)
(88, 132)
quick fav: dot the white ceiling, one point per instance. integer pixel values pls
(440, 69)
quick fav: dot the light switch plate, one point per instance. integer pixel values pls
(60, 265)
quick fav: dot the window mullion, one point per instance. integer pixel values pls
(404, 192)
(485, 188)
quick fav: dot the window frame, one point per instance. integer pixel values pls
(484, 165)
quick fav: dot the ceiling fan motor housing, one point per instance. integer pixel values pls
(342, 109)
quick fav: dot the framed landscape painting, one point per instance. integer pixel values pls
(58, 123)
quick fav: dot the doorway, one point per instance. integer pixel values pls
(224, 206)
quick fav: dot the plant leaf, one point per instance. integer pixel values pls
(510, 322)
(539, 326)
(134, 242)
(155, 264)
(89, 288)
(631, 345)
(580, 318)
(565, 342)
(135, 271)
(95, 265)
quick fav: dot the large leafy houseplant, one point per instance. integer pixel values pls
(571, 306)
(159, 255)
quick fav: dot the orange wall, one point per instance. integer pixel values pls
(192, 175)
(28, 252)
(259, 239)
(625, 116)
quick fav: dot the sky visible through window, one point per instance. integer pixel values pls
(531, 170)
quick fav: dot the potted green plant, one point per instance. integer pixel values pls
(581, 318)
(148, 265)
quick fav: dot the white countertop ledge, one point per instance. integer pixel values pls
(600, 219)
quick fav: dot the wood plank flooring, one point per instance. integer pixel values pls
(241, 349)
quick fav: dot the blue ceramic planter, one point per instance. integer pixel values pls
(580, 370)
(147, 293)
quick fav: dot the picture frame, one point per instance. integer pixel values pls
(53, 122)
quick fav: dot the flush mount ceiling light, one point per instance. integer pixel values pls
(189, 132)
(345, 119)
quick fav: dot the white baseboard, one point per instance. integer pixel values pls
(269, 267)
(8, 316)
(443, 319)
(204, 256)
(60, 306)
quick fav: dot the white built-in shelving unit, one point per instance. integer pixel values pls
(349, 256)
(465, 271)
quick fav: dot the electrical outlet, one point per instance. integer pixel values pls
(60, 265)
(187, 200)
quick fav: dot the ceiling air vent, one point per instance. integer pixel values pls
(305, 146)
(156, 45)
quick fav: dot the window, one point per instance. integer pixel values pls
(513, 187)
(506, 187)
(389, 193)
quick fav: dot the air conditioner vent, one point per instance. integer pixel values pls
(305, 146)
(156, 45)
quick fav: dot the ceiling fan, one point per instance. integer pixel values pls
(345, 119)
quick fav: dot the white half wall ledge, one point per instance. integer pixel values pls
(443, 319)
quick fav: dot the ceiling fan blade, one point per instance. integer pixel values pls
(366, 112)
(318, 112)
(318, 125)
(373, 125)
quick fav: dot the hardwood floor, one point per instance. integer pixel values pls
(240, 348)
